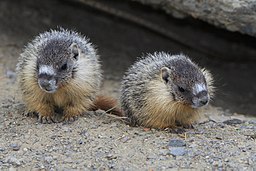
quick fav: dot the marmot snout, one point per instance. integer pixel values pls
(163, 90)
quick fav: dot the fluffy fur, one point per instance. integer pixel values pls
(149, 100)
(78, 88)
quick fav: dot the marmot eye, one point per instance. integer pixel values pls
(75, 55)
(181, 89)
(64, 66)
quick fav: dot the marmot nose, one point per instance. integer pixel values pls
(47, 85)
(200, 101)
(203, 101)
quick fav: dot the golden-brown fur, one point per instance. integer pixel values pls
(108, 104)
(160, 112)
(164, 91)
(70, 97)
(76, 88)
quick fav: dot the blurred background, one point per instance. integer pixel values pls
(124, 30)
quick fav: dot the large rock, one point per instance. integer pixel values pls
(233, 15)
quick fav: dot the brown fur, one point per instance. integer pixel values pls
(164, 91)
(76, 88)
(42, 102)
(160, 112)
(69, 97)
(108, 104)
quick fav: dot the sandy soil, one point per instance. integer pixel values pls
(224, 139)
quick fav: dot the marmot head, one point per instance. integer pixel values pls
(186, 82)
(56, 64)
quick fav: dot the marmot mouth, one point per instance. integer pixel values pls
(49, 90)
(52, 91)
(49, 86)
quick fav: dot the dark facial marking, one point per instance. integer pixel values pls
(182, 90)
(173, 96)
(45, 76)
(64, 66)
(75, 55)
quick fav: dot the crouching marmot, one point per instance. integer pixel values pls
(163, 90)
(59, 72)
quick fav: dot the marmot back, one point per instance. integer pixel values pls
(163, 90)
(59, 72)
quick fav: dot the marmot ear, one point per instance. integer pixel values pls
(74, 50)
(165, 73)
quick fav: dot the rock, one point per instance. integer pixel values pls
(111, 166)
(233, 122)
(217, 164)
(67, 129)
(10, 74)
(80, 142)
(125, 139)
(163, 152)
(48, 159)
(84, 133)
(2, 149)
(218, 118)
(233, 15)
(68, 160)
(151, 157)
(177, 151)
(100, 112)
(13, 160)
(15, 147)
(111, 157)
(176, 143)
(252, 122)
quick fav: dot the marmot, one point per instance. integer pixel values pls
(163, 91)
(59, 72)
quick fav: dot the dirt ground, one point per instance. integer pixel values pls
(224, 138)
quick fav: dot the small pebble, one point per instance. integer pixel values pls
(233, 122)
(215, 163)
(125, 139)
(111, 166)
(1, 149)
(152, 156)
(100, 112)
(110, 157)
(68, 160)
(80, 142)
(176, 143)
(252, 122)
(177, 151)
(163, 152)
(48, 159)
(10, 74)
(13, 160)
(15, 147)
(162, 158)
(84, 133)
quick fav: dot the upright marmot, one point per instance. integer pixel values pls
(59, 72)
(163, 90)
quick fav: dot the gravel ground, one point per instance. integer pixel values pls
(222, 140)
